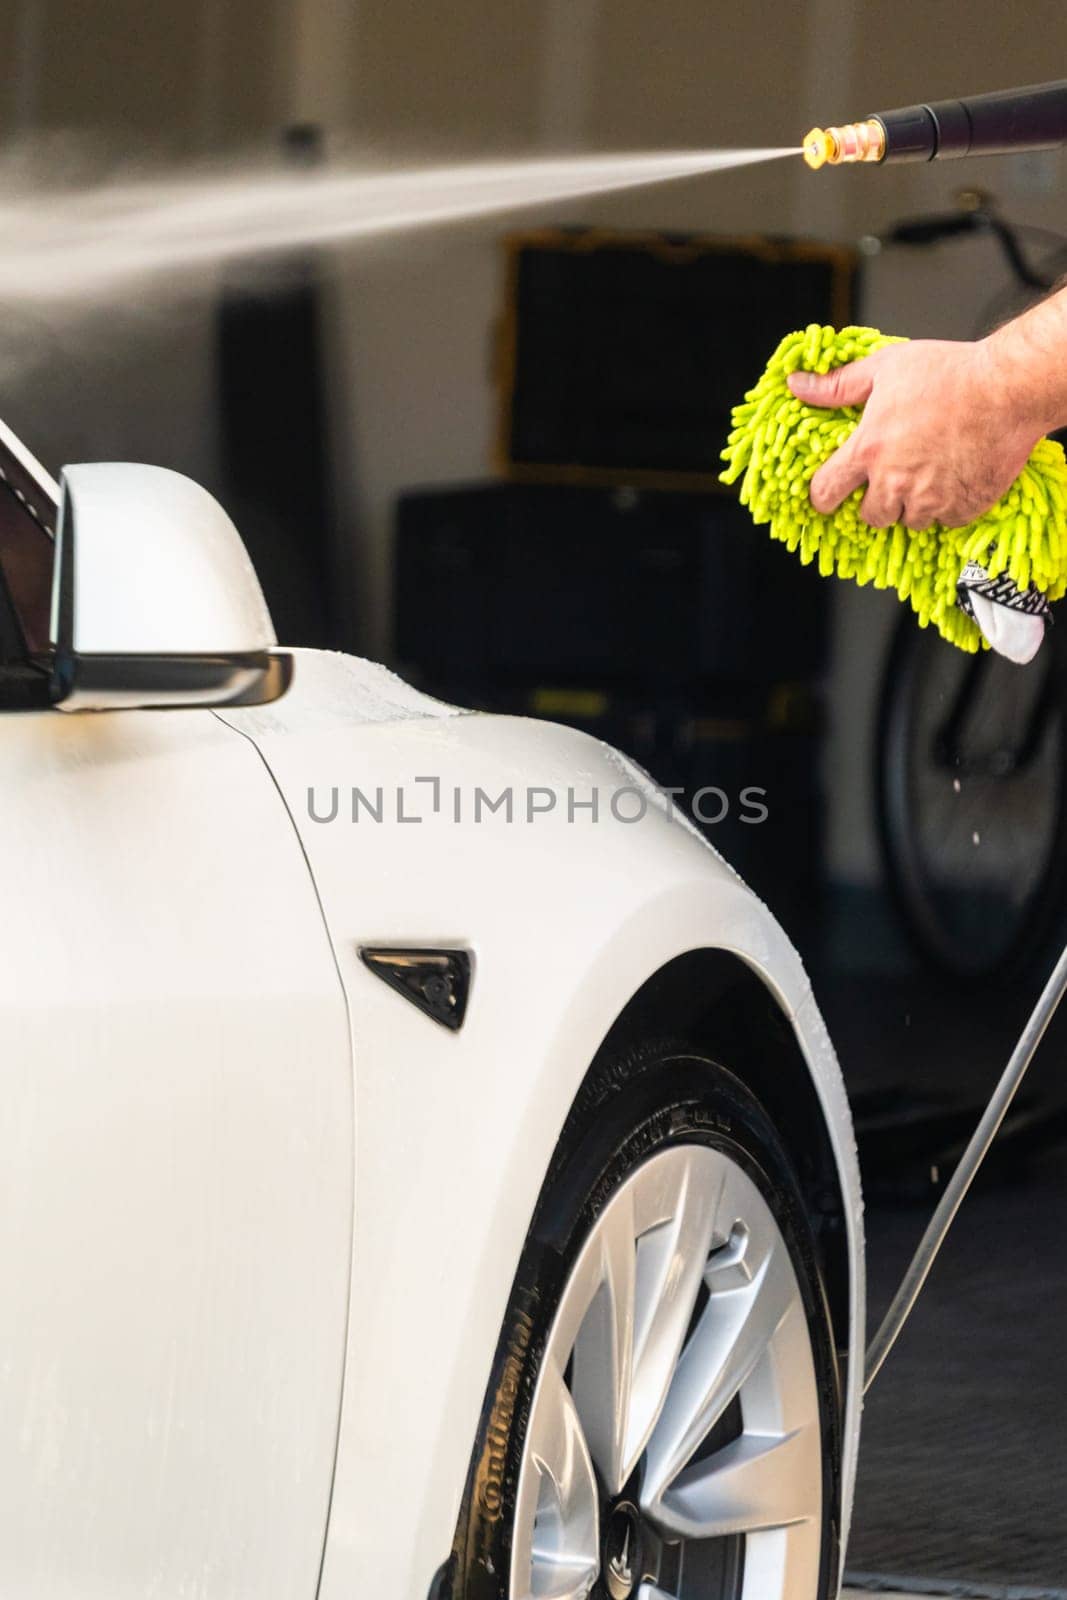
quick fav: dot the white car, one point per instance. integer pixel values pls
(412, 1183)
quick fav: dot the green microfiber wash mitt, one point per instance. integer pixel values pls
(776, 445)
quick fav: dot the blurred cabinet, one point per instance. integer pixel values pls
(663, 623)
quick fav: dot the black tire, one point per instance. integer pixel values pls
(630, 1108)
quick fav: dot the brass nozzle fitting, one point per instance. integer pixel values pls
(856, 141)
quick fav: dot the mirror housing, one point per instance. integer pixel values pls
(154, 599)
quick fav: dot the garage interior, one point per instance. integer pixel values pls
(426, 473)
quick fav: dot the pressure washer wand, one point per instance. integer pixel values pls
(1034, 118)
(964, 1175)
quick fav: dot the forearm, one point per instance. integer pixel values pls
(1028, 365)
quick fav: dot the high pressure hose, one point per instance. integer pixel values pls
(964, 1175)
(1034, 118)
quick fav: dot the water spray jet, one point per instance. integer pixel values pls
(63, 246)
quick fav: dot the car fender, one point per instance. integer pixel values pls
(566, 917)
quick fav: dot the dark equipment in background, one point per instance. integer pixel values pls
(654, 621)
(620, 355)
(612, 584)
(976, 214)
(273, 432)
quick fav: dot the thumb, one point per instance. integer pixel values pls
(850, 385)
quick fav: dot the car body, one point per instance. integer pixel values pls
(261, 1213)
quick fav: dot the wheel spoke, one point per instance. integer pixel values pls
(654, 1239)
(603, 1351)
(754, 1484)
(670, 1265)
(784, 1561)
(555, 1545)
(752, 1286)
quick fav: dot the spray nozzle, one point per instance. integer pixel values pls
(985, 124)
(856, 141)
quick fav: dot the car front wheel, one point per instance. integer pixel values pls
(662, 1422)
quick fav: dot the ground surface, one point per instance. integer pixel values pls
(963, 1466)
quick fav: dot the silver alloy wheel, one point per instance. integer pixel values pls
(676, 1404)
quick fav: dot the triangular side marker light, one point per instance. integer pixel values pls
(437, 981)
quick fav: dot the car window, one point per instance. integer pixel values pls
(28, 508)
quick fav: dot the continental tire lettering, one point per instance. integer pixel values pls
(493, 1465)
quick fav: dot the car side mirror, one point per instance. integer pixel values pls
(154, 599)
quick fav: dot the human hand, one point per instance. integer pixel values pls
(939, 439)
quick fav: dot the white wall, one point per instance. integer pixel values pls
(89, 88)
